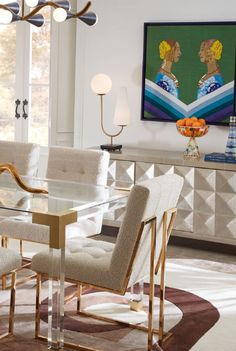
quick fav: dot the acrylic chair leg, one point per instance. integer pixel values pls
(21, 248)
(136, 297)
(79, 296)
(37, 305)
(12, 302)
(4, 242)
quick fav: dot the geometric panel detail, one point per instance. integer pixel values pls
(184, 221)
(226, 181)
(187, 173)
(204, 223)
(186, 199)
(204, 201)
(112, 170)
(205, 179)
(226, 204)
(144, 171)
(122, 171)
(160, 169)
(225, 227)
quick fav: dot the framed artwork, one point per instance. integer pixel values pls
(189, 70)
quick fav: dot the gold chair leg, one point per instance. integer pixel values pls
(79, 296)
(12, 303)
(37, 304)
(151, 287)
(162, 280)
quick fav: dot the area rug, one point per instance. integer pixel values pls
(200, 313)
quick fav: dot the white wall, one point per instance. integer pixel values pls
(115, 47)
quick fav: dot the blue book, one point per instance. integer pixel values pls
(219, 157)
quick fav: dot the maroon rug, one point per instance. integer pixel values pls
(199, 316)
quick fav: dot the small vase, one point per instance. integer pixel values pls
(231, 142)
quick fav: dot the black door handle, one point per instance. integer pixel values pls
(25, 115)
(17, 115)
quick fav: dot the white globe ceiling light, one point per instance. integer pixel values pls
(5, 16)
(59, 15)
(10, 12)
(32, 3)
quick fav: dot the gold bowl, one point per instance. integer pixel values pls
(192, 150)
(193, 132)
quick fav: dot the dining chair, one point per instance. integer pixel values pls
(139, 251)
(25, 157)
(10, 261)
(69, 164)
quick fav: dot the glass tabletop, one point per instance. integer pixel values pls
(62, 196)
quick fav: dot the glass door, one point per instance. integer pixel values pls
(24, 81)
(7, 81)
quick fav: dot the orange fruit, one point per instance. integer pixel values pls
(194, 119)
(188, 122)
(202, 121)
(197, 124)
(180, 123)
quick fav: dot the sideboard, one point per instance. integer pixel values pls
(207, 206)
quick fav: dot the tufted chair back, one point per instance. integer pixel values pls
(150, 198)
(24, 156)
(83, 166)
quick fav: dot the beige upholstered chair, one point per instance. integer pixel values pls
(139, 250)
(84, 166)
(10, 261)
(24, 156)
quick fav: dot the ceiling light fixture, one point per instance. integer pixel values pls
(11, 12)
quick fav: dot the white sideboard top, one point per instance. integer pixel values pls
(167, 157)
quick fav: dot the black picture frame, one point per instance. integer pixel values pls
(219, 103)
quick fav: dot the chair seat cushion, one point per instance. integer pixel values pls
(9, 260)
(87, 260)
(20, 227)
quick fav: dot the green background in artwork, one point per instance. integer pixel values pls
(189, 69)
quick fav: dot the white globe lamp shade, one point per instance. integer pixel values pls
(59, 15)
(32, 3)
(5, 16)
(101, 84)
(122, 111)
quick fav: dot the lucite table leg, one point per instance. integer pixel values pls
(56, 300)
(57, 225)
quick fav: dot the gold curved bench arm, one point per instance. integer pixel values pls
(8, 167)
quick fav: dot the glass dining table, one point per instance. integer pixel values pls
(62, 203)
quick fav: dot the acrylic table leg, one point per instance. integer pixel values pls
(57, 224)
(56, 300)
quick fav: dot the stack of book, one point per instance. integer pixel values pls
(219, 157)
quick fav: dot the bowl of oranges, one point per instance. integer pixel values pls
(192, 127)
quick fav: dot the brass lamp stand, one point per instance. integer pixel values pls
(111, 146)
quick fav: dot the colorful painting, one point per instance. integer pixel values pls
(189, 70)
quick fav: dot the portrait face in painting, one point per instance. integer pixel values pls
(210, 51)
(176, 52)
(205, 53)
(170, 50)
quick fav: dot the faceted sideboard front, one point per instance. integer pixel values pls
(207, 206)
